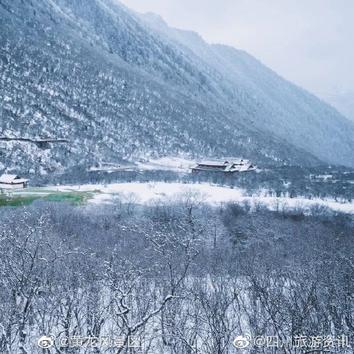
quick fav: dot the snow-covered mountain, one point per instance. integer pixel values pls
(120, 86)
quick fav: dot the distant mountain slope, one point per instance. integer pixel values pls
(281, 107)
(94, 73)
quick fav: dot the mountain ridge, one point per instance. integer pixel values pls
(221, 53)
(90, 71)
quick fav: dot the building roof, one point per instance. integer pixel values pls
(10, 179)
(212, 163)
(225, 162)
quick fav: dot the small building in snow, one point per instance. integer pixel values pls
(12, 181)
(227, 166)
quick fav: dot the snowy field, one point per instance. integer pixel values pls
(176, 164)
(150, 193)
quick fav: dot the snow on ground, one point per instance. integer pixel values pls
(176, 164)
(148, 193)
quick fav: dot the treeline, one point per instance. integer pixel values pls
(182, 278)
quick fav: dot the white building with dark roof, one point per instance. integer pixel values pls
(229, 166)
(12, 181)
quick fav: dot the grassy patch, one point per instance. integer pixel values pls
(76, 198)
(17, 199)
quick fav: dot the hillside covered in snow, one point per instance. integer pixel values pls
(119, 86)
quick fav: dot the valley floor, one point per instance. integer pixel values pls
(161, 192)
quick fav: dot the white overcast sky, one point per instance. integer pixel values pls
(310, 42)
